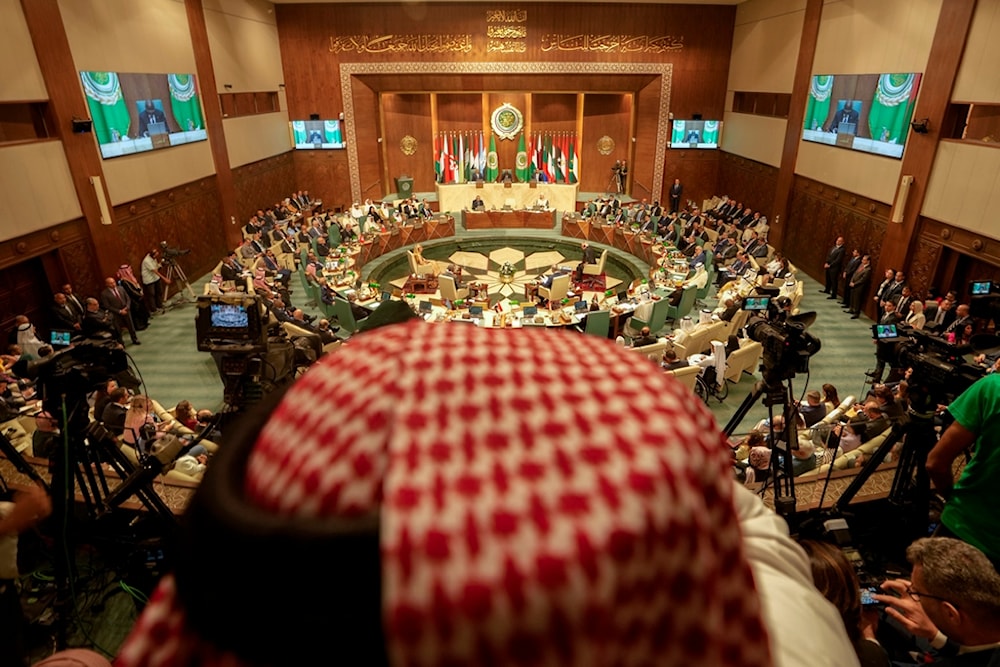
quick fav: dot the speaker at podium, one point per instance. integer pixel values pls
(404, 187)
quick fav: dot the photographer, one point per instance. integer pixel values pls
(970, 510)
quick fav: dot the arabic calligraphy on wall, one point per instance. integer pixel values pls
(612, 43)
(401, 44)
(506, 16)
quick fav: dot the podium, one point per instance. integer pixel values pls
(404, 187)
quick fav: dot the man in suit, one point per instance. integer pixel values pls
(64, 315)
(834, 260)
(231, 269)
(852, 265)
(859, 286)
(589, 257)
(894, 289)
(962, 318)
(150, 114)
(890, 316)
(676, 190)
(73, 301)
(846, 115)
(113, 414)
(115, 300)
(98, 321)
(478, 204)
(904, 301)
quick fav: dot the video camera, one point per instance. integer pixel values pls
(938, 366)
(786, 344)
(171, 253)
(984, 299)
(230, 323)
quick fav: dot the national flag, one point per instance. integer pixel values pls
(557, 158)
(460, 176)
(533, 163)
(438, 160)
(574, 162)
(492, 162)
(453, 160)
(521, 161)
(482, 154)
(470, 142)
(564, 164)
(550, 163)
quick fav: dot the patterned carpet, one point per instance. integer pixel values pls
(173, 369)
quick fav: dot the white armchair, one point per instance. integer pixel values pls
(558, 291)
(594, 269)
(446, 284)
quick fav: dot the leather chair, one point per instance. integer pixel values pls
(558, 291)
(747, 358)
(598, 322)
(686, 375)
(592, 271)
(446, 285)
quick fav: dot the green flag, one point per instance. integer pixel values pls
(521, 161)
(184, 102)
(107, 106)
(818, 105)
(492, 163)
(892, 106)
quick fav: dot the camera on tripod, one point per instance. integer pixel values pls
(785, 345)
(171, 253)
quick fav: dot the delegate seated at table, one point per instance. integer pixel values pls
(546, 279)
(425, 266)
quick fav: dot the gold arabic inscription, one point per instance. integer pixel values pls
(612, 43)
(401, 44)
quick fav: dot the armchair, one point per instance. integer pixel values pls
(558, 291)
(592, 271)
(446, 284)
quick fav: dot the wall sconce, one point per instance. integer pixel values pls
(899, 206)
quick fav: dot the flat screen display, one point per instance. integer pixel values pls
(695, 133)
(863, 112)
(756, 303)
(317, 134)
(980, 287)
(59, 338)
(134, 113)
(229, 316)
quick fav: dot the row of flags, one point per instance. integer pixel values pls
(458, 156)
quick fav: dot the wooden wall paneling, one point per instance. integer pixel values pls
(796, 116)
(409, 115)
(225, 203)
(366, 135)
(935, 96)
(646, 107)
(264, 183)
(698, 171)
(186, 217)
(67, 102)
(325, 175)
(748, 181)
(922, 267)
(24, 290)
(604, 114)
(507, 148)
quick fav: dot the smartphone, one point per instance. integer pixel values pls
(867, 600)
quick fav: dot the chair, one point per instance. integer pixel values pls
(744, 359)
(333, 235)
(598, 322)
(687, 375)
(307, 288)
(446, 284)
(634, 326)
(592, 271)
(685, 305)
(658, 316)
(556, 293)
(345, 317)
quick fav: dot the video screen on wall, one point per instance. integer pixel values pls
(134, 113)
(695, 133)
(316, 134)
(863, 112)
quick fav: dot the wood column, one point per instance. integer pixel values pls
(213, 122)
(793, 130)
(62, 81)
(918, 159)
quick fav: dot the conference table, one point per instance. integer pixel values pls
(510, 219)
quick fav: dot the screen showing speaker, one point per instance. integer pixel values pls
(695, 133)
(317, 134)
(863, 112)
(134, 113)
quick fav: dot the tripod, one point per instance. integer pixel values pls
(782, 476)
(175, 274)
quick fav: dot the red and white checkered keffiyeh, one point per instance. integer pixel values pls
(545, 499)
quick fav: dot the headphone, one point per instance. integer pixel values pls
(276, 589)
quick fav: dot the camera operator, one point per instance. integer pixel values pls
(153, 280)
(970, 510)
